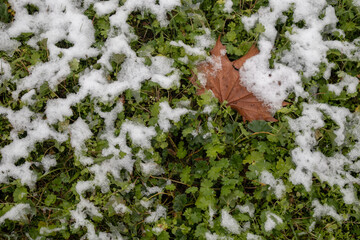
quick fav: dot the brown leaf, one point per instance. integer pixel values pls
(223, 79)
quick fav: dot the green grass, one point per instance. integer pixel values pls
(219, 171)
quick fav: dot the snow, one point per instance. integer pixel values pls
(271, 221)
(228, 6)
(325, 210)
(5, 70)
(139, 134)
(276, 185)
(247, 208)
(189, 49)
(48, 162)
(309, 160)
(211, 236)
(307, 52)
(167, 113)
(121, 208)
(151, 168)
(160, 212)
(152, 190)
(146, 203)
(162, 66)
(45, 230)
(16, 213)
(65, 20)
(103, 8)
(212, 213)
(251, 236)
(229, 223)
(348, 81)
(79, 132)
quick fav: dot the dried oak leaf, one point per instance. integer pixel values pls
(223, 79)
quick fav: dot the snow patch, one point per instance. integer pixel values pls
(276, 185)
(325, 210)
(271, 221)
(16, 213)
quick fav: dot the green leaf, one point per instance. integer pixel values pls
(164, 236)
(214, 171)
(243, 130)
(50, 199)
(191, 190)
(181, 152)
(200, 231)
(185, 175)
(349, 26)
(205, 98)
(74, 64)
(283, 167)
(259, 126)
(4, 15)
(259, 28)
(213, 150)
(206, 196)
(170, 187)
(44, 89)
(118, 58)
(228, 186)
(231, 36)
(35, 58)
(180, 202)
(20, 194)
(254, 157)
(193, 216)
(263, 147)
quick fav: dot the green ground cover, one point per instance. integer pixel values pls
(204, 178)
